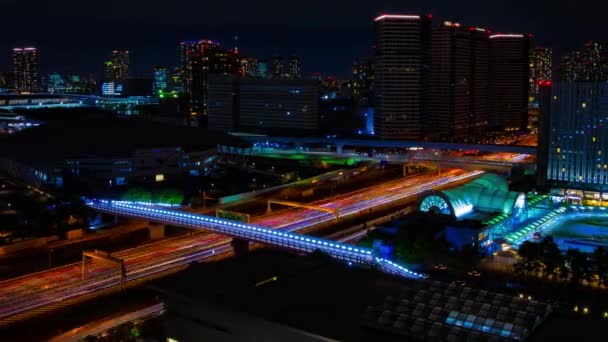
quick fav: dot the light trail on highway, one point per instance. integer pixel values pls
(32, 294)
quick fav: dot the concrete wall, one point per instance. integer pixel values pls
(74, 234)
(27, 245)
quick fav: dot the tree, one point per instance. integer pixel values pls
(599, 260)
(580, 267)
(169, 196)
(137, 195)
(551, 257)
(529, 259)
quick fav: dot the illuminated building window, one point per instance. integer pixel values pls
(563, 170)
(594, 139)
(159, 178)
(559, 150)
(584, 105)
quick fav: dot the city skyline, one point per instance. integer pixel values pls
(152, 37)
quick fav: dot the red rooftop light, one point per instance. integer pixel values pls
(542, 83)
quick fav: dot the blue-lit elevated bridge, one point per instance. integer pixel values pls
(252, 233)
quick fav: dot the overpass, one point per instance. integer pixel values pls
(398, 158)
(341, 143)
(248, 232)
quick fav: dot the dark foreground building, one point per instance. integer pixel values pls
(272, 296)
(105, 153)
(249, 104)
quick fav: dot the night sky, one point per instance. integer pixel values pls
(77, 35)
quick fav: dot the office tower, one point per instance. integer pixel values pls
(363, 82)
(294, 70)
(277, 67)
(120, 61)
(278, 105)
(25, 70)
(577, 135)
(509, 81)
(161, 80)
(401, 75)
(199, 59)
(263, 105)
(222, 110)
(541, 61)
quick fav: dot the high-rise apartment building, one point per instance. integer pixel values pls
(250, 67)
(480, 80)
(509, 81)
(587, 64)
(294, 70)
(571, 66)
(25, 70)
(402, 66)
(573, 145)
(541, 62)
(458, 98)
(363, 82)
(285, 68)
(120, 61)
(199, 59)
(277, 67)
(115, 72)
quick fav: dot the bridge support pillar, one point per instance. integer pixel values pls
(240, 246)
(156, 231)
(269, 208)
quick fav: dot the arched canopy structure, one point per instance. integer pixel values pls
(488, 193)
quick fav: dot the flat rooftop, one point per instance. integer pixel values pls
(345, 303)
(59, 140)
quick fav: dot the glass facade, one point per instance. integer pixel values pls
(578, 136)
(488, 193)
